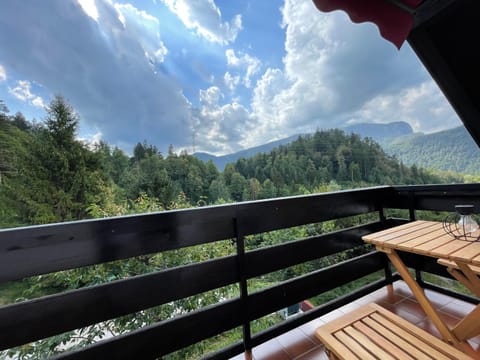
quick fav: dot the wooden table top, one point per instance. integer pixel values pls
(426, 238)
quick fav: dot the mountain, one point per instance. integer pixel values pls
(315, 160)
(449, 150)
(223, 160)
(380, 132)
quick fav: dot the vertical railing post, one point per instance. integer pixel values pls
(411, 206)
(419, 277)
(381, 214)
(388, 271)
(240, 241)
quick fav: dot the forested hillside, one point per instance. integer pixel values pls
(47, 175)
(449, 150)
(377, 132)
(322, 158)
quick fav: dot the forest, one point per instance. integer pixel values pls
(48, 175)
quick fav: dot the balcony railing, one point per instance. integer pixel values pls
(30, 251)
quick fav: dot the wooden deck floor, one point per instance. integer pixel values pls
(301, 343)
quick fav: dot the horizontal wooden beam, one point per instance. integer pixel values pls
(47, 316)
(151, 342)
(269, 300)
(43, 249)
(262, 261)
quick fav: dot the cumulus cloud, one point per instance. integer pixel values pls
(109, 60)
(205, 18)
(3, 73)
(251, 65)
(90, 8)
(91, 140)
(23, 92)
(145, 28)
(220, 128)
(231, 81)
(332, 69)
(104, 67)
(414, 104)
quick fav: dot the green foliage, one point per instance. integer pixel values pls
(451, 150)
(49, 175)
(312, 161)
(61, 122)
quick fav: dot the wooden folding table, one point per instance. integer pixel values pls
(461, 257)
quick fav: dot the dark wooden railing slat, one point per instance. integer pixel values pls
(301, 210)
(434, 197)
(278, 257)
(266, 301)
(87, 306)
(39, 250)
(156, 340)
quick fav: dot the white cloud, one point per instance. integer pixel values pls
(334, 71)
(205, 18)
(91, 140)
(38, 102)
(90, 8)
(106, 69)
(413, 105)
(23, 92)
(210, 97)
(220, 128)
(3, 73)
(145, 28)
(250, 64)
(231, 81)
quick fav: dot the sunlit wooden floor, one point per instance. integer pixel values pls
(301, 343)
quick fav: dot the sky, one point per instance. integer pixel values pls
(209, 75)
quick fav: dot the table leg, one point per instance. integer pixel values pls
(471, 281)
(470, 325)
(460, 276)
(419, 294)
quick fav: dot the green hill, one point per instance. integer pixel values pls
(449, 150)
(322, 157)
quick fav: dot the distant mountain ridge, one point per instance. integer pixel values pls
(380, 132)
(448, 150)
(223, 160)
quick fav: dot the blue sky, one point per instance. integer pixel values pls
(221, 73)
